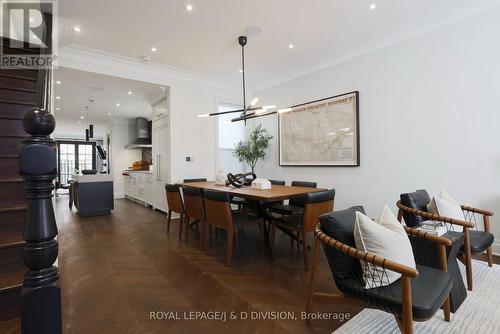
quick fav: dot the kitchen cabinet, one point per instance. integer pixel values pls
(138, 187)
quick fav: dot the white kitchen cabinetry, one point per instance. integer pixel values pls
(161, 155)
(138, 187)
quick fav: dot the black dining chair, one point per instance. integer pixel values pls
(219, 213)
(299, 225)
(295, 204)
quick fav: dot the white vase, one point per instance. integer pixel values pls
(220, 178)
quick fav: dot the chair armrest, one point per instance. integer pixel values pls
(366, 257)
(432, 216)
(428, 236)
(476, 210)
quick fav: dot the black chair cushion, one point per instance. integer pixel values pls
(299, 200)
(346, 270)
(286, 209)
(172, 188)
(480, 241)
(214, 195)
(244, 219)
(191, 191)
(278, 182)
(428, 292)
(293, 221)
(415, 200)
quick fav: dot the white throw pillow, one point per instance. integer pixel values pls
(386, 238)
(431, 207)
(445, 205)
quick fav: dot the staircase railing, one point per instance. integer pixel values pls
(41, 293)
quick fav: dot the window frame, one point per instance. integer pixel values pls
(77, 162)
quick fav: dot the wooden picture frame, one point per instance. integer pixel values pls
(321, 133)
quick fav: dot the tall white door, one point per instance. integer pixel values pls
(161, 174)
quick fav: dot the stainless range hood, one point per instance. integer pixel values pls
(143, 136)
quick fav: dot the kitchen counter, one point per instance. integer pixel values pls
(139, 171)
(93, 194)
(92, 178)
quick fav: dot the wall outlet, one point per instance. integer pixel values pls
(188, 158)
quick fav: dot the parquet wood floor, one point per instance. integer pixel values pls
(117, 269)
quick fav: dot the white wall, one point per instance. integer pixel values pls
(429, 118)
(122, 132)
(190, 95)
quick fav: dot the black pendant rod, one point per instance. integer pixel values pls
(242, 40)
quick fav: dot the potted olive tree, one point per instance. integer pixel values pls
(253, 149)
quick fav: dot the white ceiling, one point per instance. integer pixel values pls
(204, 40)
(77, 87)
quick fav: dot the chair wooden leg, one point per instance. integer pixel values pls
(261, 236)
(310, 293)
(468, 259)
(169, 218)
(186, 228)
(444, 267)
(181, 224)
(273, 235)
(407, 306)
(203, 234)
(230, 235)
(489, 252)
(304, 248)
(298, 242)
(208, 236)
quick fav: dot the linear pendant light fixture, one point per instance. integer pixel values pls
(250, 111)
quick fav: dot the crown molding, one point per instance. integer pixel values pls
(442, 17)
(92, 60)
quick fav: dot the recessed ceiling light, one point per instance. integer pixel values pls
(241, 71)
(82, 117)
(129, 92)
(117, 104)
(76, 29)
(58, 97)
(79, 122)
(57, 108)
(109, 114)
(372, 6)
(58, 82)
(153, 49)
(189, 7)
(291, 46)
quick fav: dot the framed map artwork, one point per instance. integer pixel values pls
(321, 133)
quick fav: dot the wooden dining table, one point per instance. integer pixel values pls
(262, 199)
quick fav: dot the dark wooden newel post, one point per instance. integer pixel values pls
(40, 294)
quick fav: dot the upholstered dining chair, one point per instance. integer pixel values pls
(194, 210)
(416, 296)
(218, 213)
(413, 208)
(175, 204)
(299, 224)
(296, 204)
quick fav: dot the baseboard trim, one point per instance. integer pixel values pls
(119, 195)
(496, 247)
